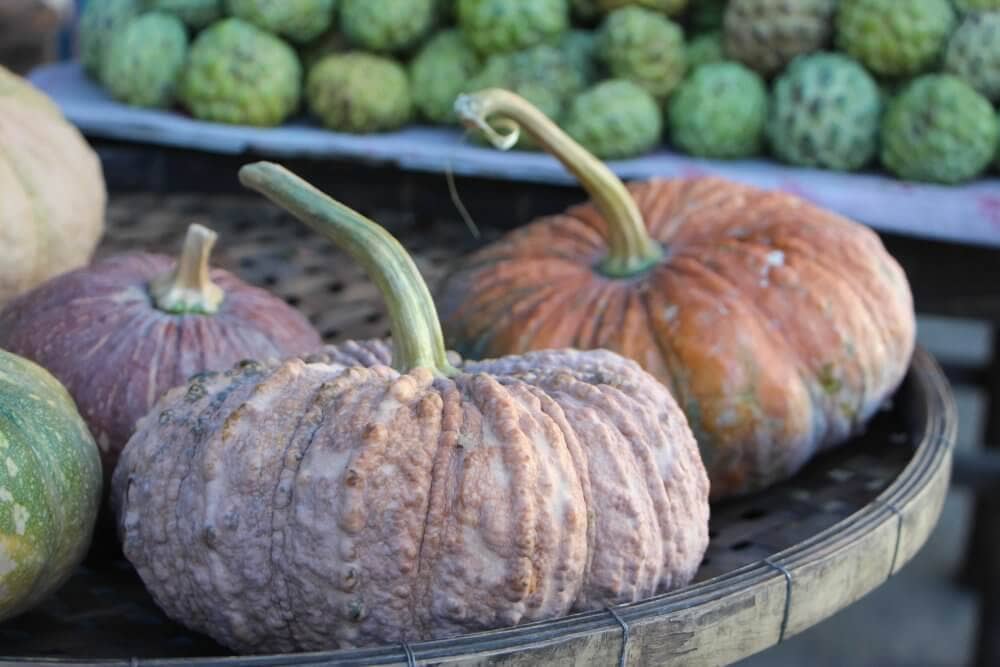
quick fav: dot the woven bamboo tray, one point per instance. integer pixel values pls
(778, 563)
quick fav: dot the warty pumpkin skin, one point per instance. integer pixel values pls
(780, 327)
(52, 192)
(338, 501)
(122, 331)
(50, 485)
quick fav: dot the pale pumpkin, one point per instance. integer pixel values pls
(50, 485)
(780, 327)
(121, 332)
(52, 192)
(342, 502)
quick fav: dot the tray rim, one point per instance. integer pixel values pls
(908, 509)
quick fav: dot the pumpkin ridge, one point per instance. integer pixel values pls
(870, 310)
(551, 409)
(314, 414)
(43, 144)
(451, 420)
(36, 209)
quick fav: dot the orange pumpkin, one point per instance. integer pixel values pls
(779, 326)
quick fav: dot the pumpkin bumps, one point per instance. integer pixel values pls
(459, 505)
(339, 502)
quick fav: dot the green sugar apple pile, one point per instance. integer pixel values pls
(910, 88)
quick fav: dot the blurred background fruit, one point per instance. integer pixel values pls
(806, 83)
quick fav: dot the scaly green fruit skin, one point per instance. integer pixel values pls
(144, 61)
(644, 47)
(615, 119)
(543, 66)
(438, 75)
(359, 93)
(237, 73)
(973, 53)
(668, 7)
(893, 37)
(544, 75)
(719, 111)
(939, 129)
(504, 26)
(387, 26)
(196, 14)
(100, 21)
(580, 47)
(706, 15)
(765, 35)
(825, 112)
(297, 20)
(977, 5)
(704, 49)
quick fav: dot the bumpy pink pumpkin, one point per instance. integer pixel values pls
(339, 501)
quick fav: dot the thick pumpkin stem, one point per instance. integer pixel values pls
(417, 340)
(188, 289)
(630, 249)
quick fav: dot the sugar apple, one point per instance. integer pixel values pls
(825, 112)
(706, 15)
(438, 75)
(195, 13)
(615, 119)
(978, 5)
(719, 111)
(297, 20)
(893, 38)
(703, 49)
(546, 67)
(645, 47)
(766, 35)
(939, 129)
(99, 22)
(387, 26)
(238, 73)
(668, 7)
(359, 92)
(144, 61)
(973, 53)
(503, 26)
(580, 47)
(544, 75)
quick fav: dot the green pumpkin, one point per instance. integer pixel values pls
(50, 485)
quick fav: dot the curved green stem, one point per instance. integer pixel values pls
(416, 331)
(630, 249)
(188, 289)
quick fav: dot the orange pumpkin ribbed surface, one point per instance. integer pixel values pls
(779, 326)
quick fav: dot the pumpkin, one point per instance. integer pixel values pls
(780, 327)
(50, 485)
(124, 330)
(52, 193)
(338, 501)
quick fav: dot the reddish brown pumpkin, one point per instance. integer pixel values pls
(779, 326)
(120, 333)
